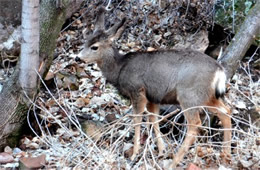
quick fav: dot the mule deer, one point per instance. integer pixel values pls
(186, 77)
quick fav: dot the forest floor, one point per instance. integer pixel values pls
(81, 121)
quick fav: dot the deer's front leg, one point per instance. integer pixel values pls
(139, 102)
(154, 108)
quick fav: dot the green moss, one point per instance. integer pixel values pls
(19, 120)
(13, 139)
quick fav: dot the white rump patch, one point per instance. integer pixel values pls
(219, 81)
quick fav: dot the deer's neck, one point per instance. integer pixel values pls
(111, 66)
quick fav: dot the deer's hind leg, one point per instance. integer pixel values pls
(193, 121)
(139, 103)
(223, 113)
(154, 108)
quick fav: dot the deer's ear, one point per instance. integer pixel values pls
(117, 30)
(117, 35)
(84, 33)
(100, 19)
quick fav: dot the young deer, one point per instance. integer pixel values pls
(184, 77)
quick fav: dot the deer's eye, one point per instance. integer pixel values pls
(94, 48)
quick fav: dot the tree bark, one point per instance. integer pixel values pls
(29, 58)
(13, 107)
(245, 36)
(12, 112)
(52, 19)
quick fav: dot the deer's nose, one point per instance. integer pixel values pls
(77, 59)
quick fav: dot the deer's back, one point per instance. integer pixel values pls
(167, 74)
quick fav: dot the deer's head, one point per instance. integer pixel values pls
(100, 42)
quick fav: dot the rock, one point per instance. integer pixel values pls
(7, 149)
(192, 166)
(32, 163)
(6, 158)
(17, 151)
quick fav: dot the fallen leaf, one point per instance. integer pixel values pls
(93, 129)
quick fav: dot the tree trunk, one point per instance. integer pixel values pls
(13, 108)
(246, 35)
(12, 112)
(29, 58)
(52, 19)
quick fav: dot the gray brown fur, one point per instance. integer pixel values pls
(163, 75)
